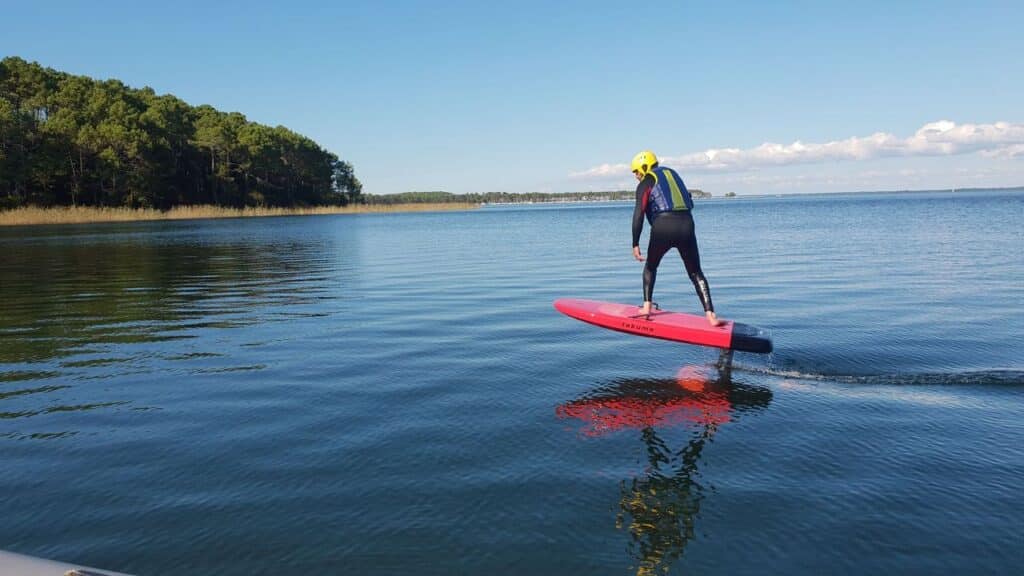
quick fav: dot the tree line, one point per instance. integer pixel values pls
(72, 140)
(507, 197)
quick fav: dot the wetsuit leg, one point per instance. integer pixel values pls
(657, 246)
(675, 230)
(691, 260)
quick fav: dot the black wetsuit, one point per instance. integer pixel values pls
(669, 230)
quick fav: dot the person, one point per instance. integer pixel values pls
(663, 199)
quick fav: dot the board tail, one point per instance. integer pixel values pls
(747, 338)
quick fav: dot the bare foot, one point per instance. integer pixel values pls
(713, 319)
(645, 310)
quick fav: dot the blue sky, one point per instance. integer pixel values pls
(745, 97)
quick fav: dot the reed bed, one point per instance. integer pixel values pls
(83, 214)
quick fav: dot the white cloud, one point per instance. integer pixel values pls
(1015, 151)
(942, 138)
(906, 173)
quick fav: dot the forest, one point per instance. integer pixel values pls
(68, 140)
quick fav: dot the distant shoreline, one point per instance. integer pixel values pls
(34, 216)
(528, 198)
(770, 195)
(903, 191)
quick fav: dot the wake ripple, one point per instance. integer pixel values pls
(975, 378)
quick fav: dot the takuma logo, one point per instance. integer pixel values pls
(638, 326)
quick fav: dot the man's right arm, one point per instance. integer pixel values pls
(642, 195)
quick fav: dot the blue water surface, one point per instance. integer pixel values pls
(394, 393)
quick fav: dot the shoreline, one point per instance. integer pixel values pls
(35, 216)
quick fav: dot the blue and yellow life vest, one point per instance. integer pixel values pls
(668, 194)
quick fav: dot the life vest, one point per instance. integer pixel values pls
(668, 194)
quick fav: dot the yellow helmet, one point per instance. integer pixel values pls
(643, 162)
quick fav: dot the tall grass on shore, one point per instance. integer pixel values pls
(82, 214)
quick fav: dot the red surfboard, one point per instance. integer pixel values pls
(675, 326)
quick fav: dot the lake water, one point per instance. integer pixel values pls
(394, 394)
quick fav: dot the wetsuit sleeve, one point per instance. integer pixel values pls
(642, 196)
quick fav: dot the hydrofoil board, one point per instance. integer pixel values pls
(675, 326)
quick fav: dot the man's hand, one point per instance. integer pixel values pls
(637, 254)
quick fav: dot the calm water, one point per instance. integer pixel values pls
(394, 394)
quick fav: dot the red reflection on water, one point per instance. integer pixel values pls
(696, 396)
